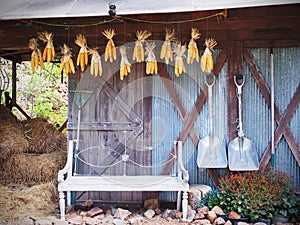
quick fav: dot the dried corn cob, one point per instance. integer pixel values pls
(96, 66)
(179, 54)
(192, 47)
(166, 49)
(207, 63)
(82, 58)
(110, 49)
(151, 65)
(66, 60)
(124, 65)
(36, 55)
(49, 51)
(138, 51)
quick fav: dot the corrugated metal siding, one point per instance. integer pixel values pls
(257, 116)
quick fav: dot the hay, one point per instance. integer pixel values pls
(19, 202)
(42, 136)
(31, 168)
(6, 116)
(12, 140)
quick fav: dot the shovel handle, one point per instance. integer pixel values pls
(209, 89)
(240, 105)
(239, 86)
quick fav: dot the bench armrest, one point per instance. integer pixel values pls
(68, 166)
(181, 167)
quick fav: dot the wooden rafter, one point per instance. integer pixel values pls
(282, 121)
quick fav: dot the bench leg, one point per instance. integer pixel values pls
(178, 200)
(62, 205)
(184, 205)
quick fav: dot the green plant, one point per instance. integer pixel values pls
(252, 194)
(288, 207)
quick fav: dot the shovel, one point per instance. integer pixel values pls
(242, 154)
(211, 150)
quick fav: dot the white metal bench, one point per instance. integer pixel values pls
(68, 181)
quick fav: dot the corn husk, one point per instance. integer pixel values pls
(138, 51)
(43, 137)
(110, 49)
(166, 49)
(36, 55)
(207, 63)
(151, 62)
(18, 202)
(96, 65)
(82, 57)
(179, 63)
(66, 61)
(33, 168)
(124, 65)
(193, 53)
(49, 51)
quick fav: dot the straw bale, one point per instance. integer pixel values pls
(6, 116)
(12, 140)
(21, 201)
(33, 168)
(42, 136)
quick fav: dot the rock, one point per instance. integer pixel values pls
(203, 210)
(109, 219)
(219, 221)
(211, 216)
(91, 221)
(242, 223)
(149, 213)
(42, 222)
(70, 216)
(151, 203)
(118, 222)
(228, 222)
(191, 213)
(259, 223)
(136, 220)
(199, 216)
(94, 211)
(218, 210)
(122, 214)
(175, 214)
(87, 204)
(57, 221)
(78, 220)
(203, 222)
(166, 213)
(25, 221)
(196, 193)
(157, 211)
(234, 215)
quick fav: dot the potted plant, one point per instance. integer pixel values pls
(286, 209)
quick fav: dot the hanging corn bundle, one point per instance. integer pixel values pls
(49, 51)
(82, 58)
(207, 63)
(179, 54)
(124, 65)
(138, 51)
(96, 66)
(151, 65)
(36, 55)
(110, 49)
(166, 49)
(192, 47)
(66, 60)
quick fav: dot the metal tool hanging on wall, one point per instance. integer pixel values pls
(211, 149)
(242, 154)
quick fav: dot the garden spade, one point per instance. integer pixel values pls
(211, 150)
(242, 154)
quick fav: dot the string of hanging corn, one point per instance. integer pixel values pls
(82, 57)
(166, 49)
(207, 63)
(49, 51)
(110, 49)
(179, 54)
(151, 62)
(66, 61)
(138, 51)
(124, 65)
(193, 52)
(36, 55)
(96, 66)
